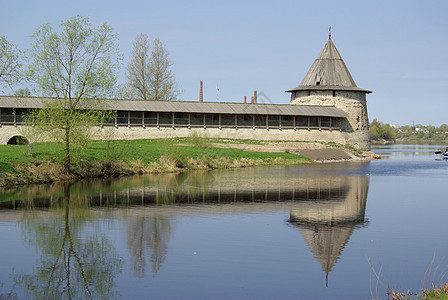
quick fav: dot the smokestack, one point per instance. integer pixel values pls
(255, 96)
(245, 99)
(201, 94)
(252, 99)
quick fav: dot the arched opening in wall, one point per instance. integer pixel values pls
(18, 140)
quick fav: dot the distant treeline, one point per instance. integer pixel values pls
(387, 133)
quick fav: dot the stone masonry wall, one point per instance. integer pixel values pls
(353, 103)
(138, 132)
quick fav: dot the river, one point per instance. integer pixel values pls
(321, 231)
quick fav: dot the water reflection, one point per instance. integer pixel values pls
(75, 261)
(148, 236)
(80, 260)
(327, 223)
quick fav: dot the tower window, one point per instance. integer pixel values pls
(334, 93)
(317, 82)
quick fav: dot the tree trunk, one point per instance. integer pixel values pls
(67, 167)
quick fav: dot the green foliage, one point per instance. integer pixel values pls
(443, 128)
(379, 131)
(77, 62)
(418, 134)
(440, 293)
(198, 139)
(74, 66)
(10, 66)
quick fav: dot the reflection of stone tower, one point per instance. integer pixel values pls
(329, 83)
(327, 224)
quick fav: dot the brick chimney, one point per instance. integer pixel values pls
(201, 94)
(245, 98)
(255, 96)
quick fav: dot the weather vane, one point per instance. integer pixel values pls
(329, 33)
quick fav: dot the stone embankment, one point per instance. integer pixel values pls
(317, 152)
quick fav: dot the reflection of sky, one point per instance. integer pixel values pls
(12, 247)
(408, 151)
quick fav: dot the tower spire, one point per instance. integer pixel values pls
(329, 33)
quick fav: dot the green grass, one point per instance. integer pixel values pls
(129, 156)
(151, 150)
(440, 293)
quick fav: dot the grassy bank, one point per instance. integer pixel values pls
(121, 158)
(437, 293)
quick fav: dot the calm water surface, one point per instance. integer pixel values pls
(306, 232)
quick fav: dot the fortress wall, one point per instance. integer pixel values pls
(7, 132)
(226, 133)
(138, 132)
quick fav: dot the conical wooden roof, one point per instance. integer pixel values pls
(328, 72)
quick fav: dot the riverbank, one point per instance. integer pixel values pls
(104, 159)
(412, 141)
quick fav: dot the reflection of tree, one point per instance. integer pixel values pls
(148, 237)
(9, 295)
(75, 262)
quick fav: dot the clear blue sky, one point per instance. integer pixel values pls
(397, 49)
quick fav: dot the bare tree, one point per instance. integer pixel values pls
(9, 63)
(139, 74)
(149, 76)
(163, 84)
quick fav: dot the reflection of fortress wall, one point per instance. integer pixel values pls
(244, 185)
(239, 186)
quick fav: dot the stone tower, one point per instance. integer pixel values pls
(329, 83)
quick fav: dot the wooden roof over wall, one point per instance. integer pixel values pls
(189, 107)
